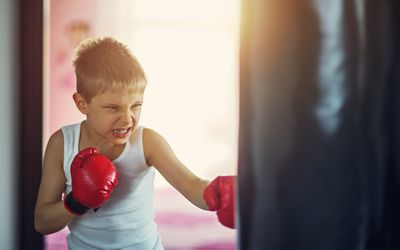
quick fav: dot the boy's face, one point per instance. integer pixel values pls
(114, 115)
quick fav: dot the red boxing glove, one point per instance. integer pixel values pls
(93, 180)
(219, 196)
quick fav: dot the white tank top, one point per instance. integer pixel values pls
(126, 221)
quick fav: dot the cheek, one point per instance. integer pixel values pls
(109, 119)
(102, 121)
(136, 119)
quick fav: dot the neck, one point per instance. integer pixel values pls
(89, 139)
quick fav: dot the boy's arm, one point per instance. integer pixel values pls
(160, 155)
(50, 213)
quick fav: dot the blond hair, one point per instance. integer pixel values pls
(104, 63)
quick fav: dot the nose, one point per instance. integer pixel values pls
(128, 118)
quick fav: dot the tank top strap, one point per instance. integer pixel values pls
(71, 144)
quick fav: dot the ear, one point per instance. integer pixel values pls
(80, 103)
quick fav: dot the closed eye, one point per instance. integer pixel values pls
(136, 106)
(111, 108)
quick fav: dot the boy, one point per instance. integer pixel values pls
(97, 176)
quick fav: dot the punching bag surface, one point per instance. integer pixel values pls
(319, 125)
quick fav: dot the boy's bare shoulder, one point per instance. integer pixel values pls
(55, 146)
(149, 137)
(56, 139)
(153, 142)
(149, 133)
(152, 137)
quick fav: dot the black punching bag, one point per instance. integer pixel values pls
(319, 125)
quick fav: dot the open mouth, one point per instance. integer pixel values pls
(121, 133)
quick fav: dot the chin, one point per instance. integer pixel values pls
(120, 141)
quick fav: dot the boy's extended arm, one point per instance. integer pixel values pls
(215, 196)
(159, 154)
(50, 214)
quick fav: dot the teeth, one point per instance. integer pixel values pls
(120, 131)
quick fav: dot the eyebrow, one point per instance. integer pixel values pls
(110, 104)
(119, 104)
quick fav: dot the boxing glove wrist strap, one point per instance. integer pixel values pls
(74, 206)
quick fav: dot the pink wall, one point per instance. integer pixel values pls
(68, 25)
